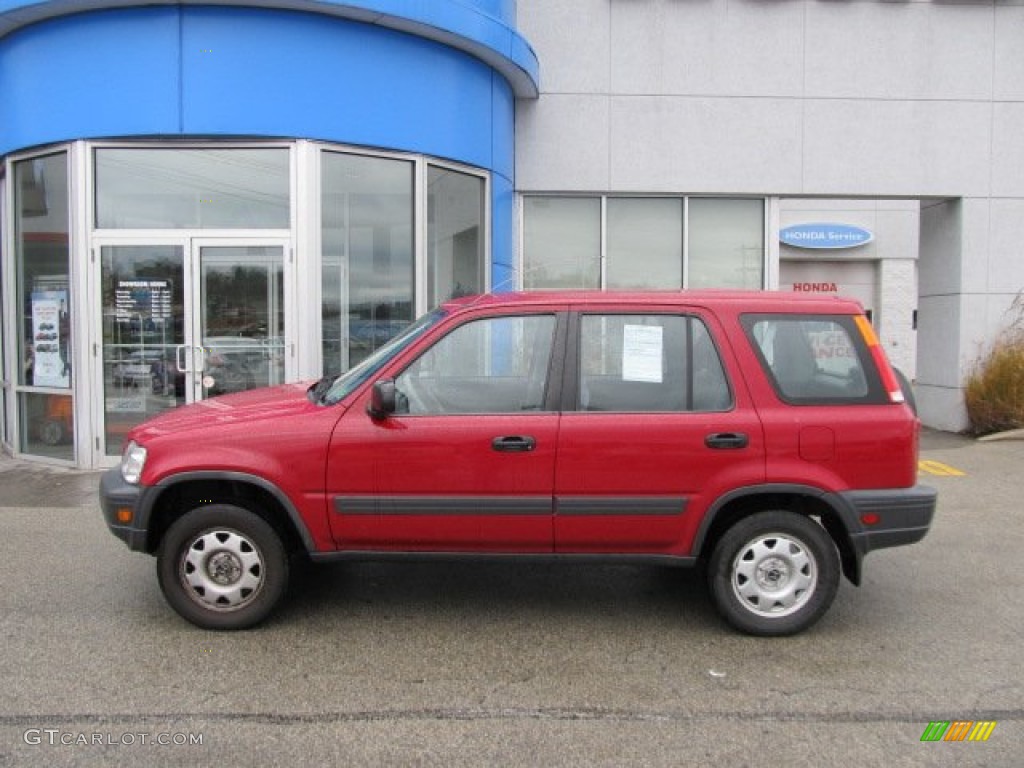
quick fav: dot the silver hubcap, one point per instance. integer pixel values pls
(222, 570)
(774, 575)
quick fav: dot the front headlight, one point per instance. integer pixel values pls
(132, 461)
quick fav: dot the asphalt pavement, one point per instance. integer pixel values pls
(505, 664)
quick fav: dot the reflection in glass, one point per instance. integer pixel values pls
(650, 363)
(47, 425)
(561, 242)
(495, 365)
(367, 241)
(41, 257)
(455, 247)
(726, 246)
(143, 335)
(41, 254)
(645, 243)
(242, 299)
(5, 425)
(192, 188)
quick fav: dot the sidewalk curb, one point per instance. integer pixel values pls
(1011, 434)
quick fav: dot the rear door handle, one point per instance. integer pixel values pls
(514, 443)
(727, 440)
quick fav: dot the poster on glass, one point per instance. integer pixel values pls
(51, 330)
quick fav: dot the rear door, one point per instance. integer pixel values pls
(467, 461)
(657, 424)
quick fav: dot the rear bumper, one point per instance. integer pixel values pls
(904, 516)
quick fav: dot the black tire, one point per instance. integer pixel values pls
(774, 573)
(222, 567)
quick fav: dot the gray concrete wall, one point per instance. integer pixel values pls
(915, 100)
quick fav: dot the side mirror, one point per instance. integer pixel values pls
(382, 399)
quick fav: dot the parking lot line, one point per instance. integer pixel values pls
(939, 469)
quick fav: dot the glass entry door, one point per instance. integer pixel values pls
(186, 320)
(241, 318)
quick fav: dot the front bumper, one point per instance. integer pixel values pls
(116, 494)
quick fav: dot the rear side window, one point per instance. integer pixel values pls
(814, 359)
(649, 363)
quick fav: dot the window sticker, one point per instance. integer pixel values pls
(642, 352)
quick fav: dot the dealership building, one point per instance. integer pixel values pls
(203, 198)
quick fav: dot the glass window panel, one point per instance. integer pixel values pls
(45, 420)
(194, 188)
(455, 243)
(726, 243)
(645, 243)
(711, 391)
(633, 363)
(41, 255)
(368, 255)
(811, 360)
(143, 329)
(497, 365)
(5, 435)
(242, 300)
(649, 363)
(561, 242)
(47, 425)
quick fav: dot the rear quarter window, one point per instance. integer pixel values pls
(815, 359)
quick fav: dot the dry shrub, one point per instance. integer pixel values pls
(994, 392)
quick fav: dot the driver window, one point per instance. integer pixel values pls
(494, 365)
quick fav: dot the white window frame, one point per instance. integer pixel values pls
(770, 252)
(303, 263)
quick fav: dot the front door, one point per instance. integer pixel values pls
(466, 462)
(184, 320)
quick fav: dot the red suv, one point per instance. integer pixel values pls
(761, 435)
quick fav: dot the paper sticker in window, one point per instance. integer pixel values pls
(642, 353)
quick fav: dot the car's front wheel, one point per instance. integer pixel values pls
(774, 573)
(222, 567)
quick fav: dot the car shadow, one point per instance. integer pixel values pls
(484, 588)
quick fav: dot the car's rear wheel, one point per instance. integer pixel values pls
(222, 567)
(774, 573)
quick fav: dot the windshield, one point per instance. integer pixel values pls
(347, 382)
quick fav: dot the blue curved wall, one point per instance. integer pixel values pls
(219, 71)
